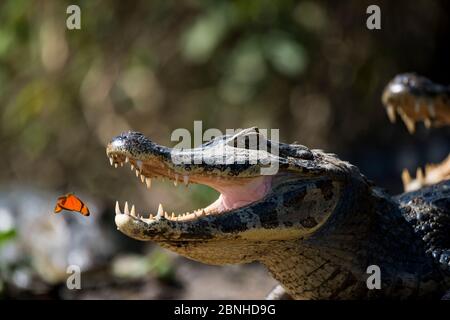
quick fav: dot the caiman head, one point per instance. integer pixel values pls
(415, 98)
(256, 205)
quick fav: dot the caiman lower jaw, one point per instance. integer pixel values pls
(234, 192)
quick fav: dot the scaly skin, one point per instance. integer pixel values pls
(317, 224)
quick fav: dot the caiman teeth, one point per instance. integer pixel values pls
(127, 211)
(410, 124)
(139, 164)
(419, 174)
(118, 208)
(148, 182)
(390, 110)
(160, 211)
(406, 177)
(420, 108)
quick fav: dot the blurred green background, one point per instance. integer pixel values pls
(310, 68)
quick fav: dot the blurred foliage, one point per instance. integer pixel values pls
(6, 236)
(158, 263)
(310, 68)
(7, 228)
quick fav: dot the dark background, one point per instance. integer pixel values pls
(309, 68)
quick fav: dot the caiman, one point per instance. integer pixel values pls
(318, 224)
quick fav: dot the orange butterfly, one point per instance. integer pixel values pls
(71, 203)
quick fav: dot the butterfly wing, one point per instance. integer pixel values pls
(59, 204)
(58, 208)
(71, 203)
(85, 211)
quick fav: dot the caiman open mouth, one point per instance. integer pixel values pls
(235, 192)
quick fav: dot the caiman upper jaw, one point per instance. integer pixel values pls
(137, 146)
(416, 98)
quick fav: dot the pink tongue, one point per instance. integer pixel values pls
(238, 195)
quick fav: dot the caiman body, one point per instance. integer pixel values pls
(316, 223)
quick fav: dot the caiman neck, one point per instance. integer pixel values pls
(367, 228)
